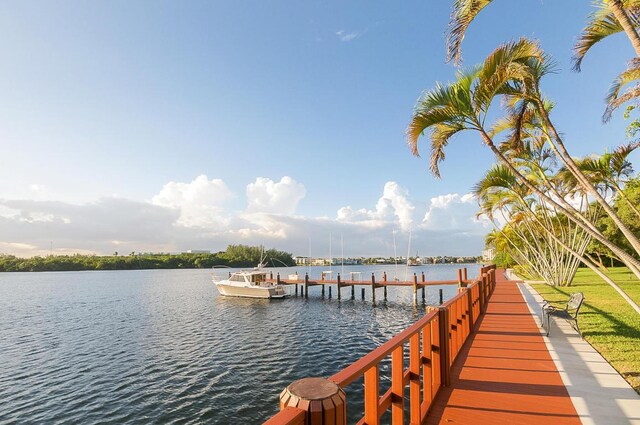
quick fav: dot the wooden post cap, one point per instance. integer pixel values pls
(324, 401)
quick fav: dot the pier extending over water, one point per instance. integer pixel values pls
(418, 284)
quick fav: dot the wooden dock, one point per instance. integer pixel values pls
(418, 283)
(506, 374)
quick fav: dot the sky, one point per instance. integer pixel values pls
(166, 126)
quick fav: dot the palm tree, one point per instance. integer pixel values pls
(610, 17)
(553, 238)
(513, 70)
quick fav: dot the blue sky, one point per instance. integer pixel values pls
(130, 102)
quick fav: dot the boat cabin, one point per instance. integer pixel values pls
(253, 278)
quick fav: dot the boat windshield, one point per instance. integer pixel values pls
(237, 278)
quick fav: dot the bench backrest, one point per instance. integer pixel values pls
(574, 303)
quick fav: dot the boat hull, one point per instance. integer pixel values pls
(250, 291)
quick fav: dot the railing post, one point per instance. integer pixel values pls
(470, 309)
(397, 385)
(483, 283)
(323, 401)
(443, 340)
(464, 273)
(460, 278)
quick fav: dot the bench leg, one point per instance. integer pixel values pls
(548, 323)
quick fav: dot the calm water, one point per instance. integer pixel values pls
(161, 346)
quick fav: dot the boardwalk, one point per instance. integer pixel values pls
(505, 374)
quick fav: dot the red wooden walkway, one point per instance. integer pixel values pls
(504, 374)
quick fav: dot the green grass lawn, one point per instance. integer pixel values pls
(606, 320)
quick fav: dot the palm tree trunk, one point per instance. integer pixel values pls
(628, 260)
(588, 263)
(597, 271)
(566, 159)
(625, 22)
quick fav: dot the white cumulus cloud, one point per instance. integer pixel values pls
(199, 202)
(392, 206)
(266, 196)
(455, 213)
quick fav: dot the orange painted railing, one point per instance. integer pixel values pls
(434, 343)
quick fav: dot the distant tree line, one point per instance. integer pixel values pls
(233, 256)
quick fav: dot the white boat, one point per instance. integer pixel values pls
(250, 284)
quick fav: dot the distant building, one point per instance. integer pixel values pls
(302, 261)
(488, 254)
(198, 251)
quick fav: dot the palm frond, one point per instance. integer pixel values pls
(632, 73)
(628, 95)
(463, 13)
(601, 24)
(440, 135)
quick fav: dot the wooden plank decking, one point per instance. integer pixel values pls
(504, 374)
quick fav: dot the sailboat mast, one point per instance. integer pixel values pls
(330, 257)
(342, 249)
(408, 256)
(395, 254)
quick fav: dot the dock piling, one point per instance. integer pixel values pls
(338, 286)
(330, 291)
(306, 285)
(373, 288)
(441, 297)
(363, 293)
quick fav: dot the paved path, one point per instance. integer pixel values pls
(598, 392)
(505, 374)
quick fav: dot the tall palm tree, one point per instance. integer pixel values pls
(513, 70)
(556, 236)
(610, 17)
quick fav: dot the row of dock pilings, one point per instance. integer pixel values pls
(384, 284)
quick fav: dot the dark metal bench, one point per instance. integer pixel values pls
(569, 311)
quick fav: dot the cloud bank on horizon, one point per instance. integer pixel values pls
(195, 215)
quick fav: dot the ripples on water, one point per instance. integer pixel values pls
(160, 346)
